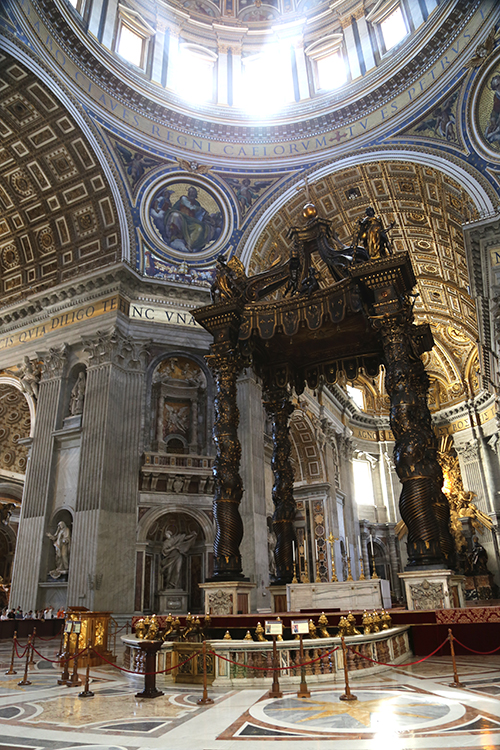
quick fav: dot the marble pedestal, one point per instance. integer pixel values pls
(373, 593)
(174, 601)
(433, 589)
(227, 597)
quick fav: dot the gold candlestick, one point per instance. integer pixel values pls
(305, 578)
(318, 579)
(374, 574)
(362, 574)
(333, 539)
(294, 579)
(349, 574)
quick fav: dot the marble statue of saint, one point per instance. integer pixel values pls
(61, 540)
(30, 378)
(271, 546)
(77, 395)
(174, 550)
(372, 235)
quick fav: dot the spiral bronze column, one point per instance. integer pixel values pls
(423, 507)
(278, 408)
(225, 364)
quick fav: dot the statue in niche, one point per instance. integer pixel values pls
(30, 378)
(372, 235)
(77, 395)
(271, 546)
(174, 551)
(479, 559)
(61, 539)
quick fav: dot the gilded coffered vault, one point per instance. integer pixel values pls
(58, 217)
(428, 210)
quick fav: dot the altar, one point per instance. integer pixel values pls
(374, 593)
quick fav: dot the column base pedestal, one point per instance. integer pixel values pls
(433, 589)
(227, 597)
(174, 601)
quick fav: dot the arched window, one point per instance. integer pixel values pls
(195, 75)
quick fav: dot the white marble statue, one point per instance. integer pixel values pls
(30, 378)
(77, 395)
(174, 550)
(61, 540)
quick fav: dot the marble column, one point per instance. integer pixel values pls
(350, 45)
(104, 527)
(158, 53)
(279, 408)
(34, 510)
(254, 546)
(302, 77)
(423, 506)
(222, 88)
(173, 57)
(225, 364)
(109, 24)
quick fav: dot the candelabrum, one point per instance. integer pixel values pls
(374, 574)
(294, 579)
(362, 573)
(334, 578)
(305, 577)
(318, 577)
(349, 574)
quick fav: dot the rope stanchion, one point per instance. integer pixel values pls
(456, 682)
(275, 691)
(347, 696)
(74, 680)
(303, 691)
(65, 657)
(405, 664)
(25, 680)
(87, 692)
(204, 700)
(32, 659)
(11, 669)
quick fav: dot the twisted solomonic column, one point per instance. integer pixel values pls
(226, 364)
(278, 407)
(423, 506)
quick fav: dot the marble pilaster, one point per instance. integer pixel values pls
(29, 559)
(254, 548)
(103, 543)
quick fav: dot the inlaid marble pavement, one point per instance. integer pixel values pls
(406, 709)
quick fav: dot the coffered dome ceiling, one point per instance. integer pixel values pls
(70, 174)
(59, 217)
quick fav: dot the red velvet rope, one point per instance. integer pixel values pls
(131, 671)
(52, 637)
(405, 664)
(20, 656)
(485, 653)
(55, 661)
(274, 669)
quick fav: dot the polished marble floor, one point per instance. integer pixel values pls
(411, 708)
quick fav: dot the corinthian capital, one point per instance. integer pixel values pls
(54, 362)
(112, 347)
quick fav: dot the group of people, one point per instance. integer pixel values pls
(41, 614)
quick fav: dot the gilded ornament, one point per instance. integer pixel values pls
(227, 636)
(323, 624)
(140, 629)
(259, 632)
